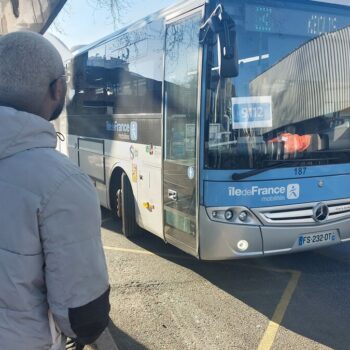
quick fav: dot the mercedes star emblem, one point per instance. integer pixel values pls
(321, 212)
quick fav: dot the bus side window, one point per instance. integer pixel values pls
(76, 85)
(94, 91)
(134, 77)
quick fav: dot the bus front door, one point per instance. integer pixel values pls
(180, 124)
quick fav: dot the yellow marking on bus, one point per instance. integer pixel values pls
(277, 318)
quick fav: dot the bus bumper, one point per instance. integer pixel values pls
(279, 240)
(218, 241)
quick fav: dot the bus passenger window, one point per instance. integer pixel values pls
(134, 80)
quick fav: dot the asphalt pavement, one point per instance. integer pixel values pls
(163, 298)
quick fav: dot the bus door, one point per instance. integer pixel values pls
(180, 126)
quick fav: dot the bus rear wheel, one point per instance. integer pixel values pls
(128, 214)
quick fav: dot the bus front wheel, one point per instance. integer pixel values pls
(118, 209)
(129, 225)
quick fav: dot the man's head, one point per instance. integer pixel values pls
(31, 75)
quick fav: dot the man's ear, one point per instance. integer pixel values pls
(58, 89)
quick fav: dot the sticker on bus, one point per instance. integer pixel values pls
(252, 112)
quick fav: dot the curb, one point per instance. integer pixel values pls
(106, 342)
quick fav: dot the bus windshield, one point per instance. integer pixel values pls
(291, 99)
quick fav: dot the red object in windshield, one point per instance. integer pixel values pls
(293, 142)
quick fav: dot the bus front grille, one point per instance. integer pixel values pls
(303, 214)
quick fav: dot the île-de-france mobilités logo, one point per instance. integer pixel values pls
(293, 191)
(133, 131)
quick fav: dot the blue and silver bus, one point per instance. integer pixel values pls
(222, 127)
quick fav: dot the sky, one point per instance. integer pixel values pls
(80, 22)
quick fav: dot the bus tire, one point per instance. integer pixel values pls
(129, 226)
(118, 209)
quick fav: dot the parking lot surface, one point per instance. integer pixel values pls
(163, 298)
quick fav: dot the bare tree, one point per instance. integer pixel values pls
(114, 6)
(115, 9)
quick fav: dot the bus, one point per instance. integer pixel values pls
(222, 127)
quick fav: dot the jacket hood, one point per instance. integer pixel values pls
(20, 131)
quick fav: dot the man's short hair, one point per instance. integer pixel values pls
(28, 64)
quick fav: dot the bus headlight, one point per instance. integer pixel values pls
(243, 216)
(228, 215)
(233, 215)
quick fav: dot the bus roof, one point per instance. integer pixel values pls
(168, 12)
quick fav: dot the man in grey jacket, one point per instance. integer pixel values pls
(53, 274)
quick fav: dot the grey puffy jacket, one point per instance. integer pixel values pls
(51, 256)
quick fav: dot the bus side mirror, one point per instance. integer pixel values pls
(227, 48)
(223, 28)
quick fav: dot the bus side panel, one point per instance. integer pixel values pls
(142, 165)
(150, 190)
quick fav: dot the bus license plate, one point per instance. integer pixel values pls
(318, 238)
